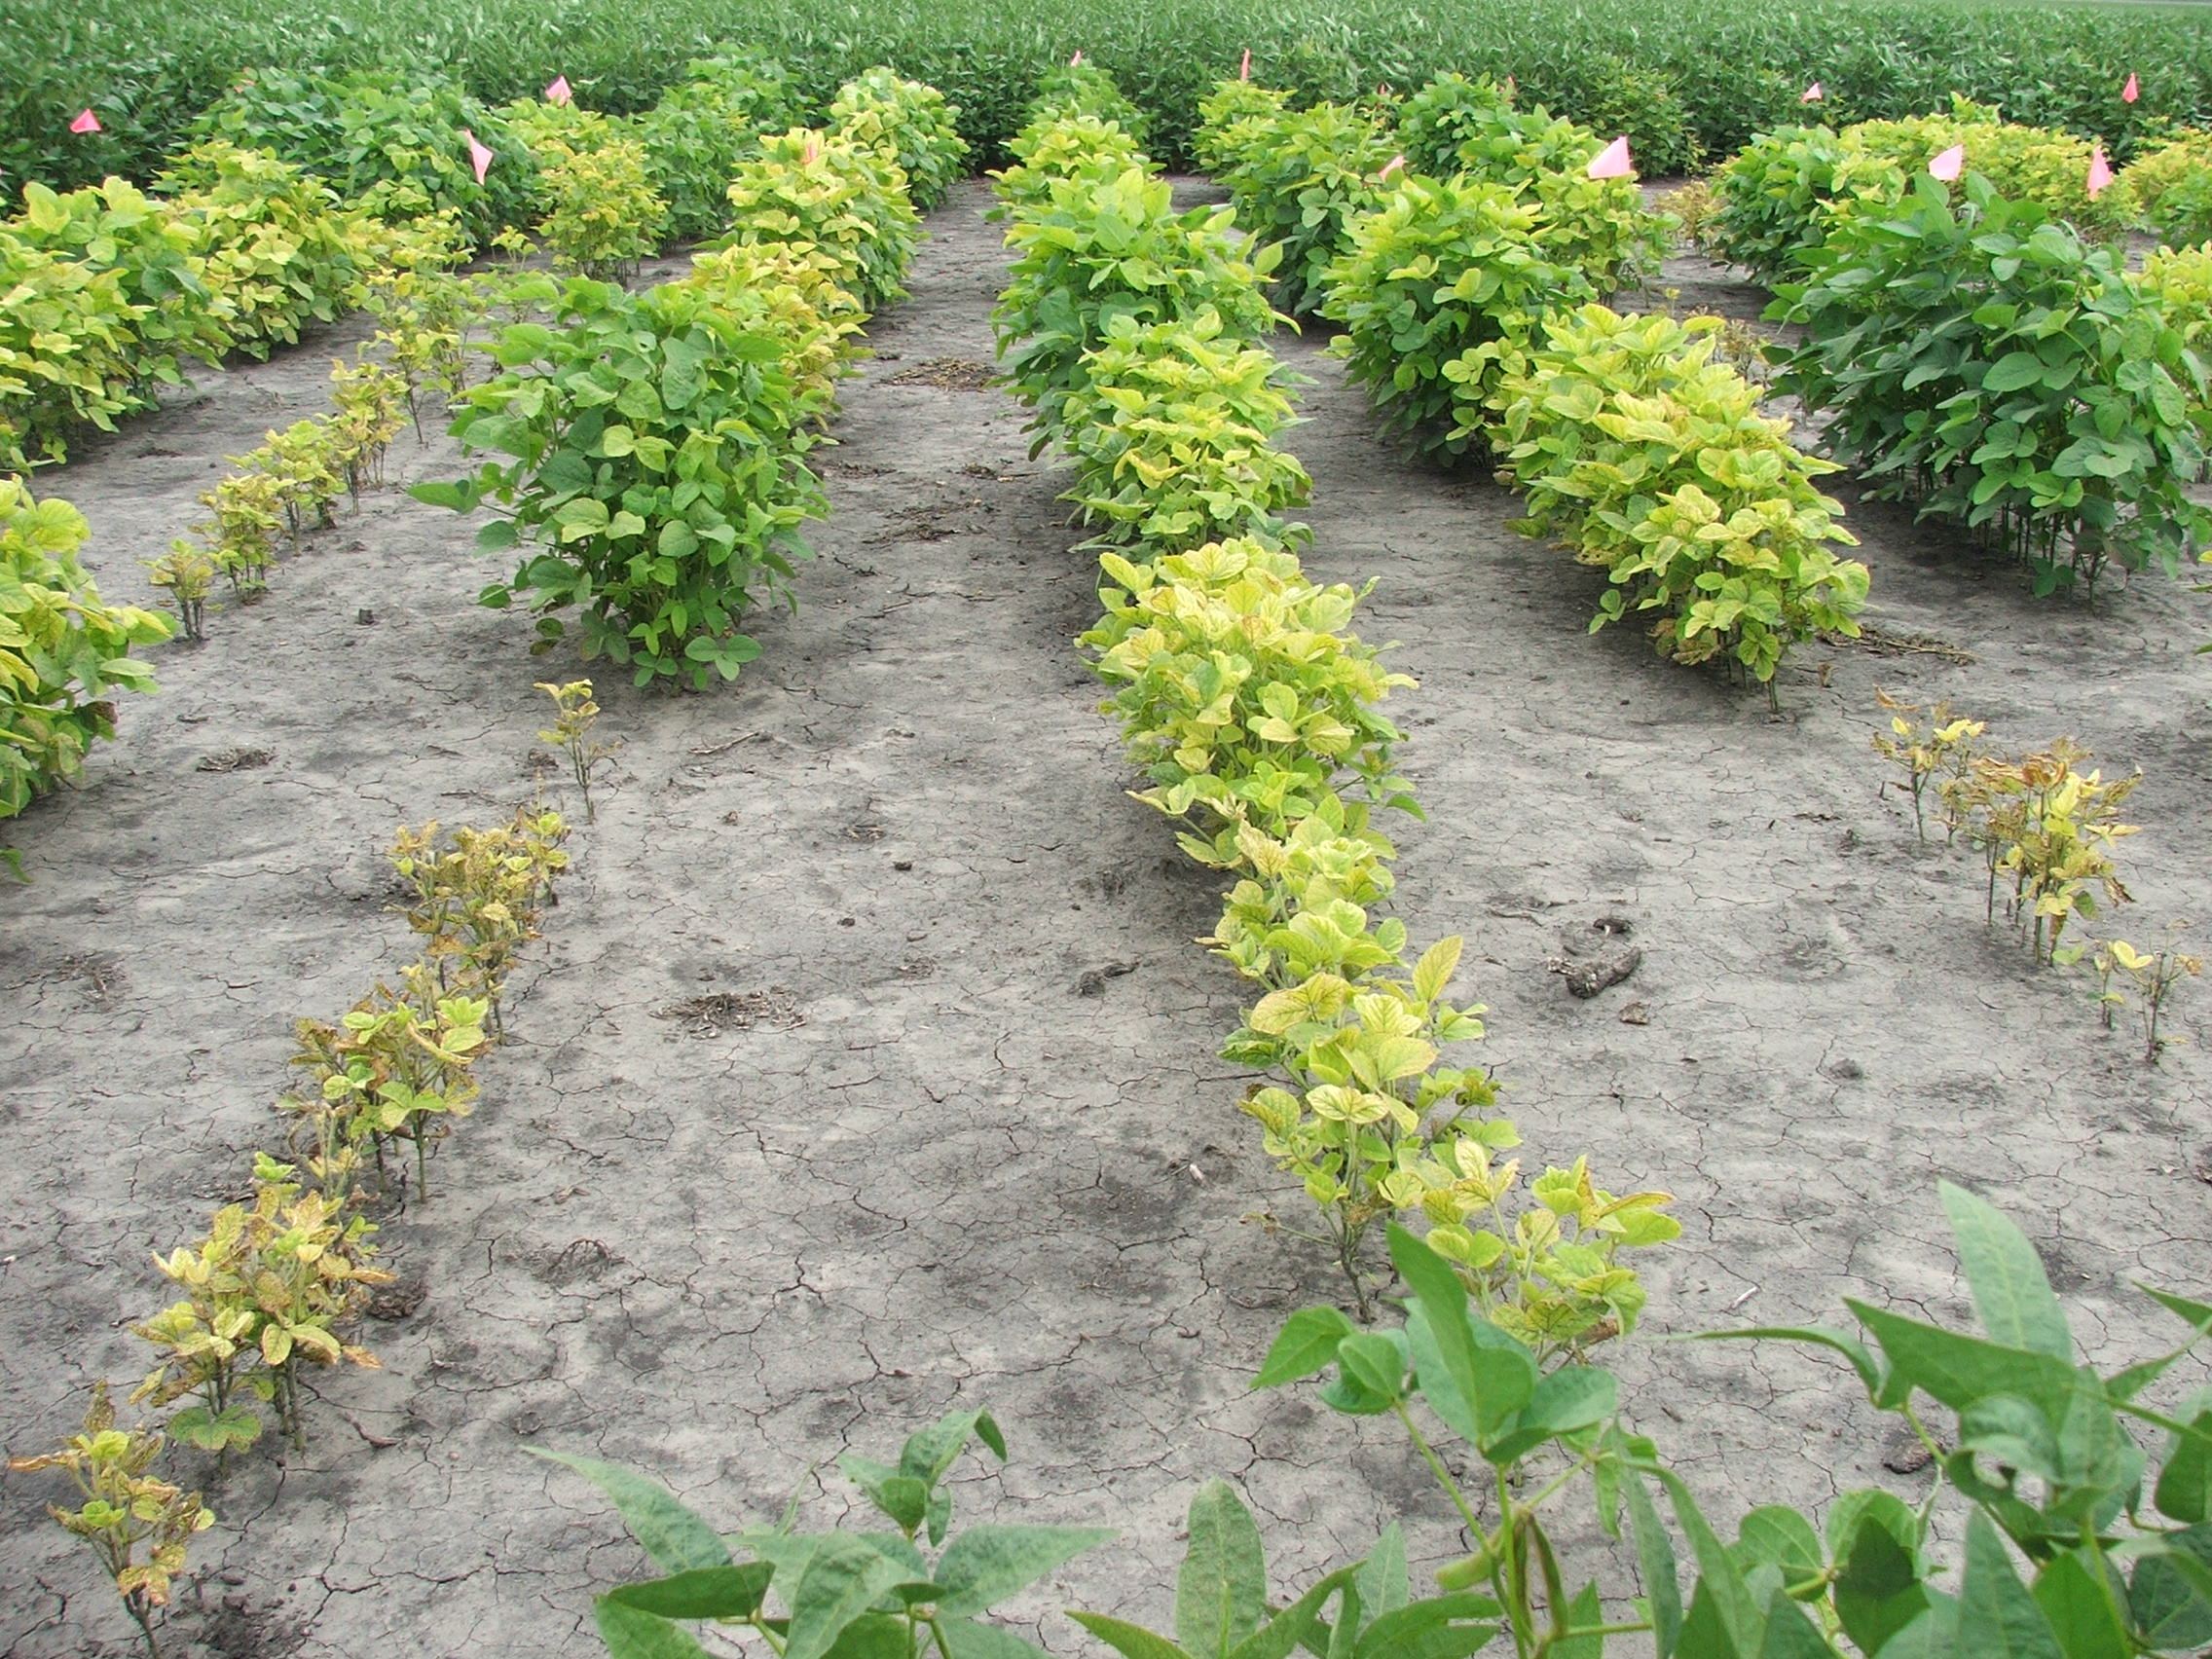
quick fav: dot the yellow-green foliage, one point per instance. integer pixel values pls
(908, 123)
(822, 191)
(2182, 277)
(2035, 163)
(603, 214)
(64, 651)
(793, 293)
(2172, 186)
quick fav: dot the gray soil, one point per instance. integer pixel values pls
(950, 1127)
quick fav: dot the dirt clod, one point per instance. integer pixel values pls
(1091, 982)
(718, 1011)
(234, 759)
(947, 374)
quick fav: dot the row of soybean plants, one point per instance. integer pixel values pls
(1464, 245)
(1133, 332)
(655, 439)
(1976, 335)
(281, 1280)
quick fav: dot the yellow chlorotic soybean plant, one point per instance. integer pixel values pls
(2152, 973)
(1240, 691)
(576, 713)
(265, 1291)
(1935, 752)
(125, 1510)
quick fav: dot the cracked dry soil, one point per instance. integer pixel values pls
(932, 1110)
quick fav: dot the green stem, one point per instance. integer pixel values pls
(1442, 1475)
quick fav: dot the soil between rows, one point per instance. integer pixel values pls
(868, 1066)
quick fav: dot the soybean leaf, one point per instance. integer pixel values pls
(1385, 1585)
(985, 1564)
(2185, 1483)
(1998, 1619)
(2081, 1603)
(1722, 1597)
(1442, 1626)
(1132, 1641)
(2010, 1290)
(1221, 1591)
(1471, 1384)
(1306, 1344)
(965, 1638)
(2171, 1593)
(1959, 1370)
(1779, 1536)
(1376, 1362)
(676, 1539)
(630, 1632)
(1572, 1397)
(1877, 1590)
(1656, 1559)
(703, 1593)
(840, 1581)
(1281, 1633)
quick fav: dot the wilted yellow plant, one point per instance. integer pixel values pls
(126, 1509)
(576, 713)
(1930, 752)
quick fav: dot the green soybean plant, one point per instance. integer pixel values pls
(839, 1594)
(651, 439)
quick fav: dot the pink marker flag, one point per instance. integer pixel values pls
(1388, 168)
(1949, 164)
(1612, 161)
(2100, 173)
(479, 157)
(811, 152)
(86, 122)
(1076, 62)
(558, 91)
(2131, 92)
(1812, 93)
(1244, 71)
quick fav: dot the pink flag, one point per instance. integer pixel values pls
(1612, 162)
(811, 152)
(1388, 168)
(1076, 62)
(479, 157)
(86, 122)
(1812, 93)
(558, 91)
(1244, 73)
(2100, 173)
(2131, 92)
(1949, 164)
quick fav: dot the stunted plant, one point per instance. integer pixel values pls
(271, 1286)
(2153, 976)
(2051, 827)
(188, 572)
(138, 1525)
(478, 893)
(394, 1068)
(1933, 752)
(576, 713)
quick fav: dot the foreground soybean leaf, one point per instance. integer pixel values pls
(985, 1564)
(2082, 1603)
(1438, 1628)
(1878, 1591)
(1482, 1381)
(1998, 1619)
(1132, 1641)
(1781, 1538)
(1959, 1370)
(676, 1539)
(632, 1633)
(1572, 1397)
(1723, 1618)
(703, 1593)
(2010, 1290)
(841, 1580)
(965, 1638)
(1280, 1636)
(2184, 1483)
(1307, 1344)
(1656, 1559)
(2171, 1594)
(1221, 1591)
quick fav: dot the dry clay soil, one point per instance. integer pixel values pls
(949, 1127)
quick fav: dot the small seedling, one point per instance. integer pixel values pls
(2153, 974)
(1931, 752)
(189, 573)
(125, 1510)
(576, 713)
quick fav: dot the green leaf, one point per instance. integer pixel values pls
(2010, 1290)
(2171, 1593)
(1959, 1370)
(1442, 1626)
(1306, 1344)
(985, 1564)
(703, 1593)
(1723, 1604)
(677, 1540)
(965, 1638)
(2012, 371)
(1221, 1591)
(630, 1632)
(1998, 1619)
(1878, 1590)
(1656, 1559)
(1375, 1362)
(1483, 1383)
(1280, 1636)
(904, 1498)
(1385, 1583)
(2185, 1483)
(496, 535)
(1572, 1397)
(840, 1581)
(874, 1636)
(2082, 1605)
(1779, 1536)
(1132, 1641)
